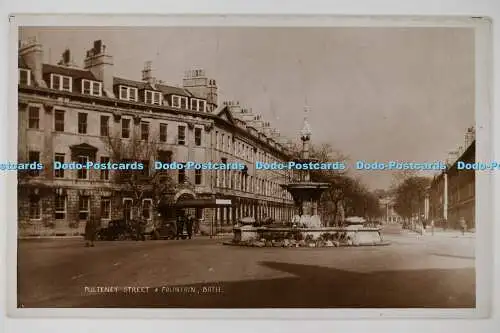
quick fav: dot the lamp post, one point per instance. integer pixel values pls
(305, 136)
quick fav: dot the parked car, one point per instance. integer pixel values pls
(118, 230)
(164, 230)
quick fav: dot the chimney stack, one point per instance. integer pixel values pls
(234, 107)
(66, 59)
(198, 83)
(470, 136)
(147, 73)
(267, 129)
(32, 53)
(101, 65)
(452, 156)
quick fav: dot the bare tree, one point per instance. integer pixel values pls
(141, 183)
(347, 195)
(400, 176)
(410, 194)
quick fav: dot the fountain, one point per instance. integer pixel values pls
(306, 193)
(306, 229)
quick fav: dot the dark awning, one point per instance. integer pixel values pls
(196, 203)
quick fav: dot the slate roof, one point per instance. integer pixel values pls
(170, 90)
(76, 73)
(130, 83)
(163, 88)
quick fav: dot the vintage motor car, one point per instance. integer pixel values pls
(120, 229)
(164, 230)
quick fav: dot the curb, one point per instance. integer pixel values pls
(48, 237)
(383, 243)
(443, 234)
(82, 236)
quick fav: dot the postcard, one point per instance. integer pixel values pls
(327, 167)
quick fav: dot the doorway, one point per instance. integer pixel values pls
(127, 209)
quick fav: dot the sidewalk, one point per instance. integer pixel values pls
(440, 232)
(449, 234)
(47, 237)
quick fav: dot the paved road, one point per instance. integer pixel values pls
(414, 271)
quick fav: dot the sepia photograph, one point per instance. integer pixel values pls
(247, 167)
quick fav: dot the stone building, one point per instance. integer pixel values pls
(68, 114)
(389, 212)
(452, 192)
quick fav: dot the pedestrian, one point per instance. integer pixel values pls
(463, 225)
(189, 225)
(140, 229)
(197, 224)
(179, 225)
(91, 228)
(432, 227)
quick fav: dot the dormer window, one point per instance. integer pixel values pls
(24, 76)
(128, 93)
(197, 104)
(152, 97)
(179, 102)
(91, 88)
(184, 103)
(61, 82)
(176, 101)
(194, 104)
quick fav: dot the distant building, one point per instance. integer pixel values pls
(389, 213)
(66, 112)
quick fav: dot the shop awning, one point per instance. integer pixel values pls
(196, 203)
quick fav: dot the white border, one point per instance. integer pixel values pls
(475, 8)
(483, 152)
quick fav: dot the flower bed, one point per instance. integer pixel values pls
(305, 237)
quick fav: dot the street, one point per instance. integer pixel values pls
(413, 272)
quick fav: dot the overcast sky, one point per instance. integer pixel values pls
(375, 94)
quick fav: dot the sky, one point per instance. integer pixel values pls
(375, 94)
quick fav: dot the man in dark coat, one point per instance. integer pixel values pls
(91, 228)
(189, 225)
(140, 229)
(180, 225)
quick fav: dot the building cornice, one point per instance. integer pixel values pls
(126, 108)
(118, 112)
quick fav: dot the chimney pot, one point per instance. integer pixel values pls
(97, 46)
(66, 57)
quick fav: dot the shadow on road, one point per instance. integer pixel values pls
(309, 287)
(453, 256)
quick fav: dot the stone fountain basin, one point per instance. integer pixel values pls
(353, 235)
